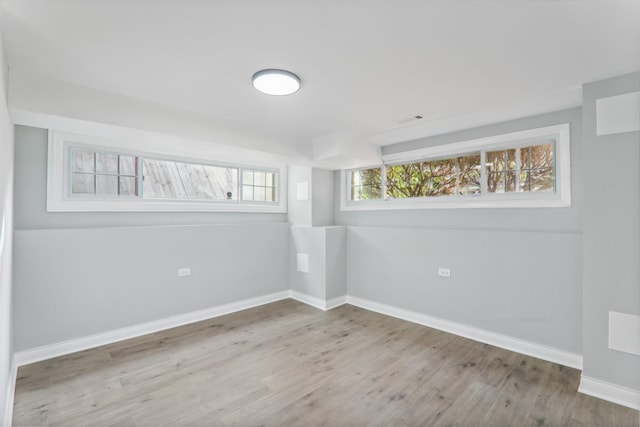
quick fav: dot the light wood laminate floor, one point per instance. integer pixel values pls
(288, 364)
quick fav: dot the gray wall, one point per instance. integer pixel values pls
(513, 271)
(336, 254)
(317, 211)
(78, 274)
(311, 234)
(299, 212)
(611, 236)
(70, 283)
(521, 284)
(322, 198)
(31, 192)
(326, 248)
(310, 241)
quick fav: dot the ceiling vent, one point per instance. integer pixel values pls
(411, 119)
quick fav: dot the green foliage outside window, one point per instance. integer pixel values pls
(524, 169)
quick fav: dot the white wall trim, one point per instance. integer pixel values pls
(11, 391)
(318, 303)
(540, 351)
(336, 302)
(610, 392)
(71, 346)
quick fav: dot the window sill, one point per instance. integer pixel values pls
(159, 206)
(464, 203)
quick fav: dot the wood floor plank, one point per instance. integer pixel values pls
(288, 364)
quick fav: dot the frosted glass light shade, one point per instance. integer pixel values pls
(276, 82)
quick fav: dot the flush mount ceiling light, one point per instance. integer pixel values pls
(276, 82)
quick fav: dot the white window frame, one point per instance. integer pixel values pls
(561, 197)
(60, 199)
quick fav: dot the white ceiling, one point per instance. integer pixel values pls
(364, 64)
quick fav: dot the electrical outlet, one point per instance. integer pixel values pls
(182, 272)
(444, 272)
(302, 263)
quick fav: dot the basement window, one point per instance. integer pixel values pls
(101, 173)
(85, 177)
(173, 180)
(523, 169)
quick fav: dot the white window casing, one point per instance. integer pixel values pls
(560, 197)
(60, 199)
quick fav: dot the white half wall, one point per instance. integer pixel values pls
(323, 250)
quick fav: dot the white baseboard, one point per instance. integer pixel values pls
(11, 392)
(318, 303)
(67, 347)
(540, 351)
(336, 302)
(610, 392)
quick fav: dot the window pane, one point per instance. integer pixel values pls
(511, 159)
(168, 179)
(356, 193)
(83, 161)
(258, 178)
(538, 164)
(127, 165)
(107, 184)
(128, 186)
(366, 184)
(535, 173)
(495, 161)
(542, 180)
(247, 192)
(270, 179)
(107, 163)
(495, 182)
(511, 177)
(259, 185)
(259, 194)
(443, 179)
(524, 181)
(222, 181)
(83, 184)
(404, 181)
(542, 156)
(525, 156)
(195, 184)
(434, 178)
(247, 177)
(270, 194)
(444, 173)
(469, 175)
(161, 180)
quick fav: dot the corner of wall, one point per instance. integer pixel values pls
(611, 230)
(6, 416)
(7, 367)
